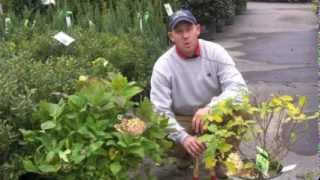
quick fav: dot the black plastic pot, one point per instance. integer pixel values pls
(35, 176)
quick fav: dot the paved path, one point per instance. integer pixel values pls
(274, 46)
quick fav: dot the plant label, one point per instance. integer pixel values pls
(140, 22)
(63, 38)
(68, 18)
(1, 9)
(168, 8)
(68, 21)
(91, 24)
(262, 161)
(48, 2)
(288, 168)
(7, 22)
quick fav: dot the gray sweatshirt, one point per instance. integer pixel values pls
(182, 86)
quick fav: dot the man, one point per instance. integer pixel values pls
(190, 78)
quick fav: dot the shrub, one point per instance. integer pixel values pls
(90, 135)
(24, 83)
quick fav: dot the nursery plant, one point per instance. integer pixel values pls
(270, 117)
(258, 123)
(225, 126)
(98, 132)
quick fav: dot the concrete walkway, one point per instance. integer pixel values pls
(274, 46)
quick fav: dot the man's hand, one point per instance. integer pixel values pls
(193, 146)
(197, 122)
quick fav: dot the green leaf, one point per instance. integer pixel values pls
(77, 101)
(77, 154)
(115, 168)
(95, 93)
(46, 168)
(206, 138)
(27, 134)
(48, 125)
(131, 91)
(224, 147)
(138, 151)
(63, 155)
(302, 101)
(212, 128)
(95, 146)
(50, 156)
(55, 110)
(119, 82)
(29, 166)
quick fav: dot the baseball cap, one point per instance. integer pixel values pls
(179, 16)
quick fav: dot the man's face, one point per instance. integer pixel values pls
(185, 37)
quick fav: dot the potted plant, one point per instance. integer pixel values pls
(224, 127)
(270, 116)
(96, 133)
(251, 121)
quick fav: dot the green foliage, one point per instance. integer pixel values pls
(269, 117)
(76, 138)
(24, 83)
(215, 11)
(35, 67)
(226, 124)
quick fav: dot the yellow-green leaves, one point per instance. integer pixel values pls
(228, 121)
(210, 162)
(215, 118)
(234, 164)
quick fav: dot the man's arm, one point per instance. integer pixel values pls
(230, 79)
(160, 96)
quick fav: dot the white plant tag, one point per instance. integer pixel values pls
(168, 8)
(1, 9)
(7, 22)
(288, 168)
(68, 21)
(48, 2)
(91, 24)
(63, 38)
(140, 22)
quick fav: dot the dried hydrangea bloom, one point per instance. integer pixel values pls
(134, 126)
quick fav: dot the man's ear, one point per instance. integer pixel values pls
(171, 36)
(198, 27)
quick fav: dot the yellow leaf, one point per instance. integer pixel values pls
(215, 118)
(113, 153)
(276, 102)
(231, 168)
(286, 98)
(292, 109)
(210, 162)
(302, 101)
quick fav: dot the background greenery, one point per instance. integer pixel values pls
(129, 35)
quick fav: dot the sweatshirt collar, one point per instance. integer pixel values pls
(185, 57)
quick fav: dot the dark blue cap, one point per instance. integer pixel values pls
(179, 16)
